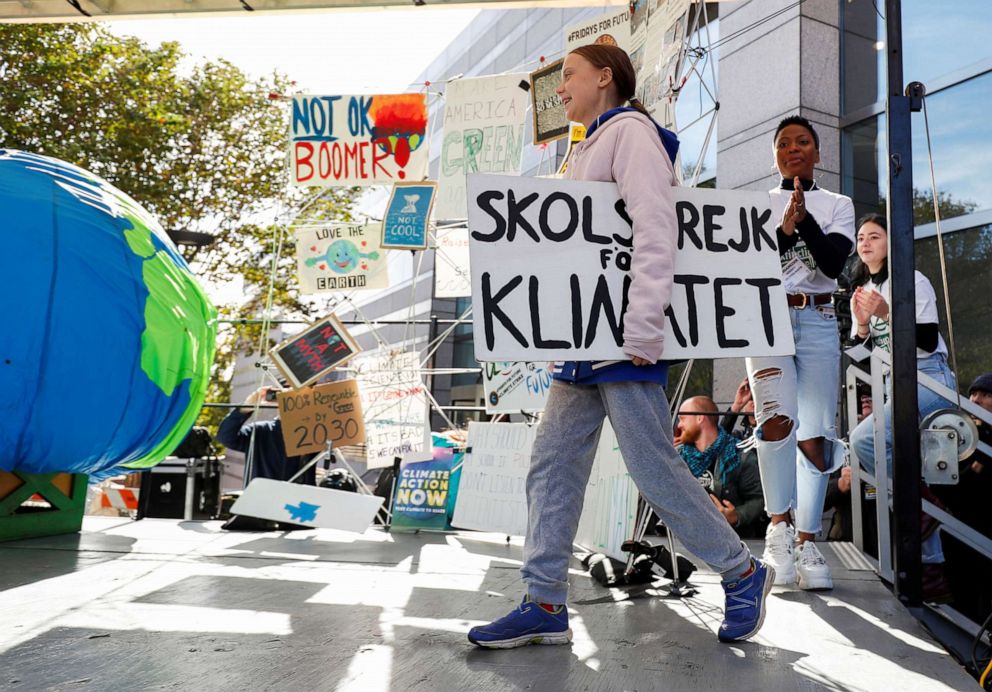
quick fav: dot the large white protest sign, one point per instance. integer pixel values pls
(610, 507)
(296, 503)
(452, 276)
(516, 387)
(358, 140)
(340, 257)
(491, 493)
(483, 133)
(550, 261)
(394, 403)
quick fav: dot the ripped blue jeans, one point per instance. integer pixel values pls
(803, 388)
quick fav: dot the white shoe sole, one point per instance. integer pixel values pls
(784, 575)
(552, 638)
(824, 583)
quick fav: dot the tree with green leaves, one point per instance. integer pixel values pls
(204, 149)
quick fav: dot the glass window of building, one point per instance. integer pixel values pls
(969, 263)
(863, 164)
(941, 42)
(960, 132)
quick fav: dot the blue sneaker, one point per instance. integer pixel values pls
(744, 610)
(528, 624)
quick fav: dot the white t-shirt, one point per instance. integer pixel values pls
(926, 313)
(835, 214)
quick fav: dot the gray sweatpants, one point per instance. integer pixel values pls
(562, 461)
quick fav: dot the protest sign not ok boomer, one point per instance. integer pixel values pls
(550, 272)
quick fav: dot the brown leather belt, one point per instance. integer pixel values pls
(801, 300)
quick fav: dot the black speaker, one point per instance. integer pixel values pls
(163, 490)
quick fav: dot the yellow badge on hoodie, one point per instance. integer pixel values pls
(576, 133)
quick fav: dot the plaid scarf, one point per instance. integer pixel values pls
(721, 456)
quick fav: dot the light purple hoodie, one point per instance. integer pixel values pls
(627, 150)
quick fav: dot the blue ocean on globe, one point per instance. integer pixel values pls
(108, 338)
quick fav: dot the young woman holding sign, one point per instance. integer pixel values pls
(622, 145)
(796, 397)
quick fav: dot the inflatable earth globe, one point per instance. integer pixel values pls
(108, 339)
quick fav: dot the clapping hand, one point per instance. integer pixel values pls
(795, 212)
(864, 304)
(857, 307)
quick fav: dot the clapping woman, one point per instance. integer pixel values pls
(796, 397)
(870, 310)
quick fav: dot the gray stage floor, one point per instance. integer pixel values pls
(162, 604)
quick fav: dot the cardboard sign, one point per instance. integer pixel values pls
(340, 257)
(408, 214)
(550, 122)
(313, 416)
(358, 140)
(307, 505)
(483, 133)
(491, 494)
(452, 271)
(314, 352)
(516, 387)
(395, 406)
(551, 262)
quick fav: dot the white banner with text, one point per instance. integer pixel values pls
(550, 272)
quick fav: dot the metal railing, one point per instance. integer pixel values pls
(880, 363)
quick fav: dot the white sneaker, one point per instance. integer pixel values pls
(814, 574)
(780, 552)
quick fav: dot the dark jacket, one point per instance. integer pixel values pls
(743, 490)
(269, 458)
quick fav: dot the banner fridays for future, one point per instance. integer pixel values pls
(550, 263)
(653, 38)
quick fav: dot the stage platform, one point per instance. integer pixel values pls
(163, 604)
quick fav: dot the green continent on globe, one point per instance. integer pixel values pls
(179, 335)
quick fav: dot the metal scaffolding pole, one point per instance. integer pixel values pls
(902, 319)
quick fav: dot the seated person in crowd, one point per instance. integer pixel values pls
(268, 459)
(969, 574)
(713, 458)
(980, 392)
